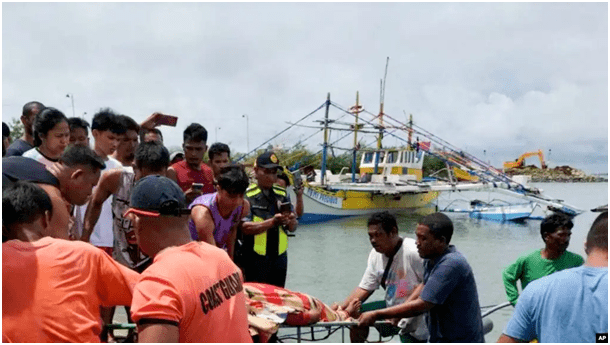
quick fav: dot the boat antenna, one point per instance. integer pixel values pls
(385, 75)
(381, 100)
(325, 143)
(356, 110)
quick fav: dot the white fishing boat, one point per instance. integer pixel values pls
(501, 211)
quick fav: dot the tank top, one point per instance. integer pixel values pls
(222, 226)
(126, 250)
(102, 235)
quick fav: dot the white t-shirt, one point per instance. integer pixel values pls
(37, 156)
(103, 234)
(406, 272)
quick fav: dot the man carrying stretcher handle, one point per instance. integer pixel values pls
(448, 294)
(394, 265)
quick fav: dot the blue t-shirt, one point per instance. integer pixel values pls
(569, 306)
(18, 148)
(26, 169)
(449, 284)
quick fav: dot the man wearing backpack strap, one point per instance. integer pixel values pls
(395, 265)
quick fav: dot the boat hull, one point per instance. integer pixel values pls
(504, 213)
(321, 205)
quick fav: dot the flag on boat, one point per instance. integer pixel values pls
(424, 145)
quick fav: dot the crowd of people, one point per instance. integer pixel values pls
(192, 249)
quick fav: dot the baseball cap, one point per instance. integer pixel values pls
(267, 160)
(155, 196)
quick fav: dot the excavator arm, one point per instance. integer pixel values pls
(519, 162)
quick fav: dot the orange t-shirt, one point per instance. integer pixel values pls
(187, 176)
(198, 288)
(52, 290)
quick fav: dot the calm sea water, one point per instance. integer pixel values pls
(327, 260)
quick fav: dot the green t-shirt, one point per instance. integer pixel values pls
(533, 266)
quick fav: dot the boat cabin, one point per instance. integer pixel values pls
(393, 162)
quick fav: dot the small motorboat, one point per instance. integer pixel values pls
(497, 210)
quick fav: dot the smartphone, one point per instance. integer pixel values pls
(285, 207)
(167, 120)
(298, 180)
(197, 186)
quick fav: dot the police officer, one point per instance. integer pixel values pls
(264, 230)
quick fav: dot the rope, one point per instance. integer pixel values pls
(280, 133)
(454, 149)
(486, 173)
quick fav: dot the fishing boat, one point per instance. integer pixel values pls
(396, 187)
(391, 179)
(388, 180)
(497, 210)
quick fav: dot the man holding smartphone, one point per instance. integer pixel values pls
(265, 240)
(193, 176)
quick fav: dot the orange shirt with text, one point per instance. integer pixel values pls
(198, 288)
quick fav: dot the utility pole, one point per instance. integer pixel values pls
(71, 96)
(247, 133)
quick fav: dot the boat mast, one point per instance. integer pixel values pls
(410, 130)
(356, 110)
(380, 137)
(325, 144)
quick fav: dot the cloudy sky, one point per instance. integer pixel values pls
(502, 77)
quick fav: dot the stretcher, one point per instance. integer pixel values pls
(324, 330)
(327, 329)
(296, 333)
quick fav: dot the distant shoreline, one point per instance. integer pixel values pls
(558, 174)
(573, 180)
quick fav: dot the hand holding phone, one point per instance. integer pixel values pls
(167, 120)
(197, 186)
(157, 119)
(285, 207)
(298, 180)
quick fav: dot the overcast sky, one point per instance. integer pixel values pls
(502, 77)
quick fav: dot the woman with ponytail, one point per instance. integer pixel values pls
(51, 136)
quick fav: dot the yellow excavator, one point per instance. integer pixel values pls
(519, 162)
